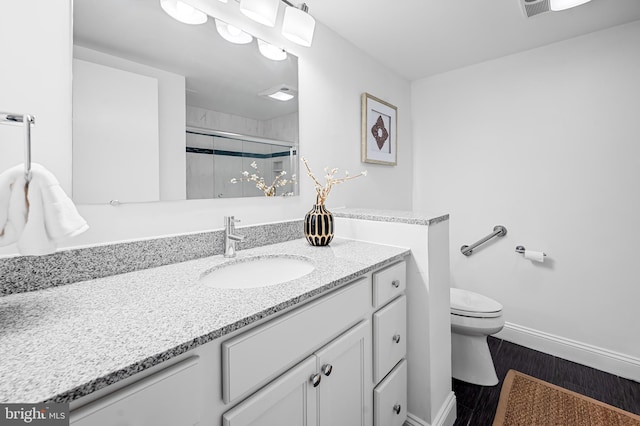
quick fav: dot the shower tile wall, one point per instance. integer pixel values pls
(200, 176)
(200, 182)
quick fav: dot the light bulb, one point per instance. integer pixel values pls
(270, 51)
(232, 33)
(183, 12)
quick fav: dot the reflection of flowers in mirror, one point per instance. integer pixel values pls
(269, 190)
(324, 190)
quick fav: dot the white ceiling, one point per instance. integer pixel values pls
(220, 76)
(419, 38)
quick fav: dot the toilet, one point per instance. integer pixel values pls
(473, 318)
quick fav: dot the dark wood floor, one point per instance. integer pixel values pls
(476, 405)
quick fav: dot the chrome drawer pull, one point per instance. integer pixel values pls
(396, 338)
(315, 380)
(395, 283)
(397, 408)
(327, 369)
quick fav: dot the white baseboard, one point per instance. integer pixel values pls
(414, 421)
(446, 416)
(582, 353)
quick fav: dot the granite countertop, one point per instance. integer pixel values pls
(398, 216)
(61, 343)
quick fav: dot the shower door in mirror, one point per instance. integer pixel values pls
(225, 165)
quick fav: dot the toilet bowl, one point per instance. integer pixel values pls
(473, 318)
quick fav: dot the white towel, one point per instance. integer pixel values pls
(51, 216)
(13, 205)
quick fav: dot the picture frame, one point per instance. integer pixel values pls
(379, 131)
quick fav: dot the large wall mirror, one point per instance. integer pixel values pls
(168, 111)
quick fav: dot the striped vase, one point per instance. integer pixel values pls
(318, 226)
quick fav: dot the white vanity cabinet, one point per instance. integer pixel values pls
(316, 364)
(326, 389)
(253, 358)
(333, 386)
(390, 345)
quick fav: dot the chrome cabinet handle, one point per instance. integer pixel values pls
(315, 380)
(396, 338)
(327, 369)
(395, 283)
(397, 408)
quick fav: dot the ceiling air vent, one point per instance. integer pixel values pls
(534, 7)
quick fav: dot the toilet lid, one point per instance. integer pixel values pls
(470, 304)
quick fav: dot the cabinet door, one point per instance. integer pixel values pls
(167, 397)
(343, 366)
(280, 343)
(288, 401)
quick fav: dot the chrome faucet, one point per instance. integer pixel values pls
(230, 238)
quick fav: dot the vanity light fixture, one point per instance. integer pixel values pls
(270, 51)
(557, 5)
(262, 11)
(183, 12)
(232, 33)
(298, 26)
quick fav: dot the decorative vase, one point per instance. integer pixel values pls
(318, 225)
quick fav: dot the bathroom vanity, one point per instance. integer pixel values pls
(157, 347)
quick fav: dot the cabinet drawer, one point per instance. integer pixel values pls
(389, 337)
(254, 357)
(389, 283)
(172, 393)
(390, 398)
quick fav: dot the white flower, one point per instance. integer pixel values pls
(234, 180)
(284, 172)
(254, 165)
(364, 173)
(245, 174)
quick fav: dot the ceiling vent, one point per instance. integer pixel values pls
(534, 7)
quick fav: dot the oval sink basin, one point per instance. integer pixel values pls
(254, 272)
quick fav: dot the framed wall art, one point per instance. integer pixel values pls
(379, 131)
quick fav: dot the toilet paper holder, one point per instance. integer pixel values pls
(521, 249)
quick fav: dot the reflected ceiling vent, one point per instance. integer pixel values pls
(281, 92)
(534, 7)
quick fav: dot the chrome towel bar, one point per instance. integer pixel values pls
(498, 231)
(27, 120)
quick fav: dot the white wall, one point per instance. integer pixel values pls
(333, 74)
(171, 115)
(428, 317)
(115, 133)
(35, 78)
(544, 142)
